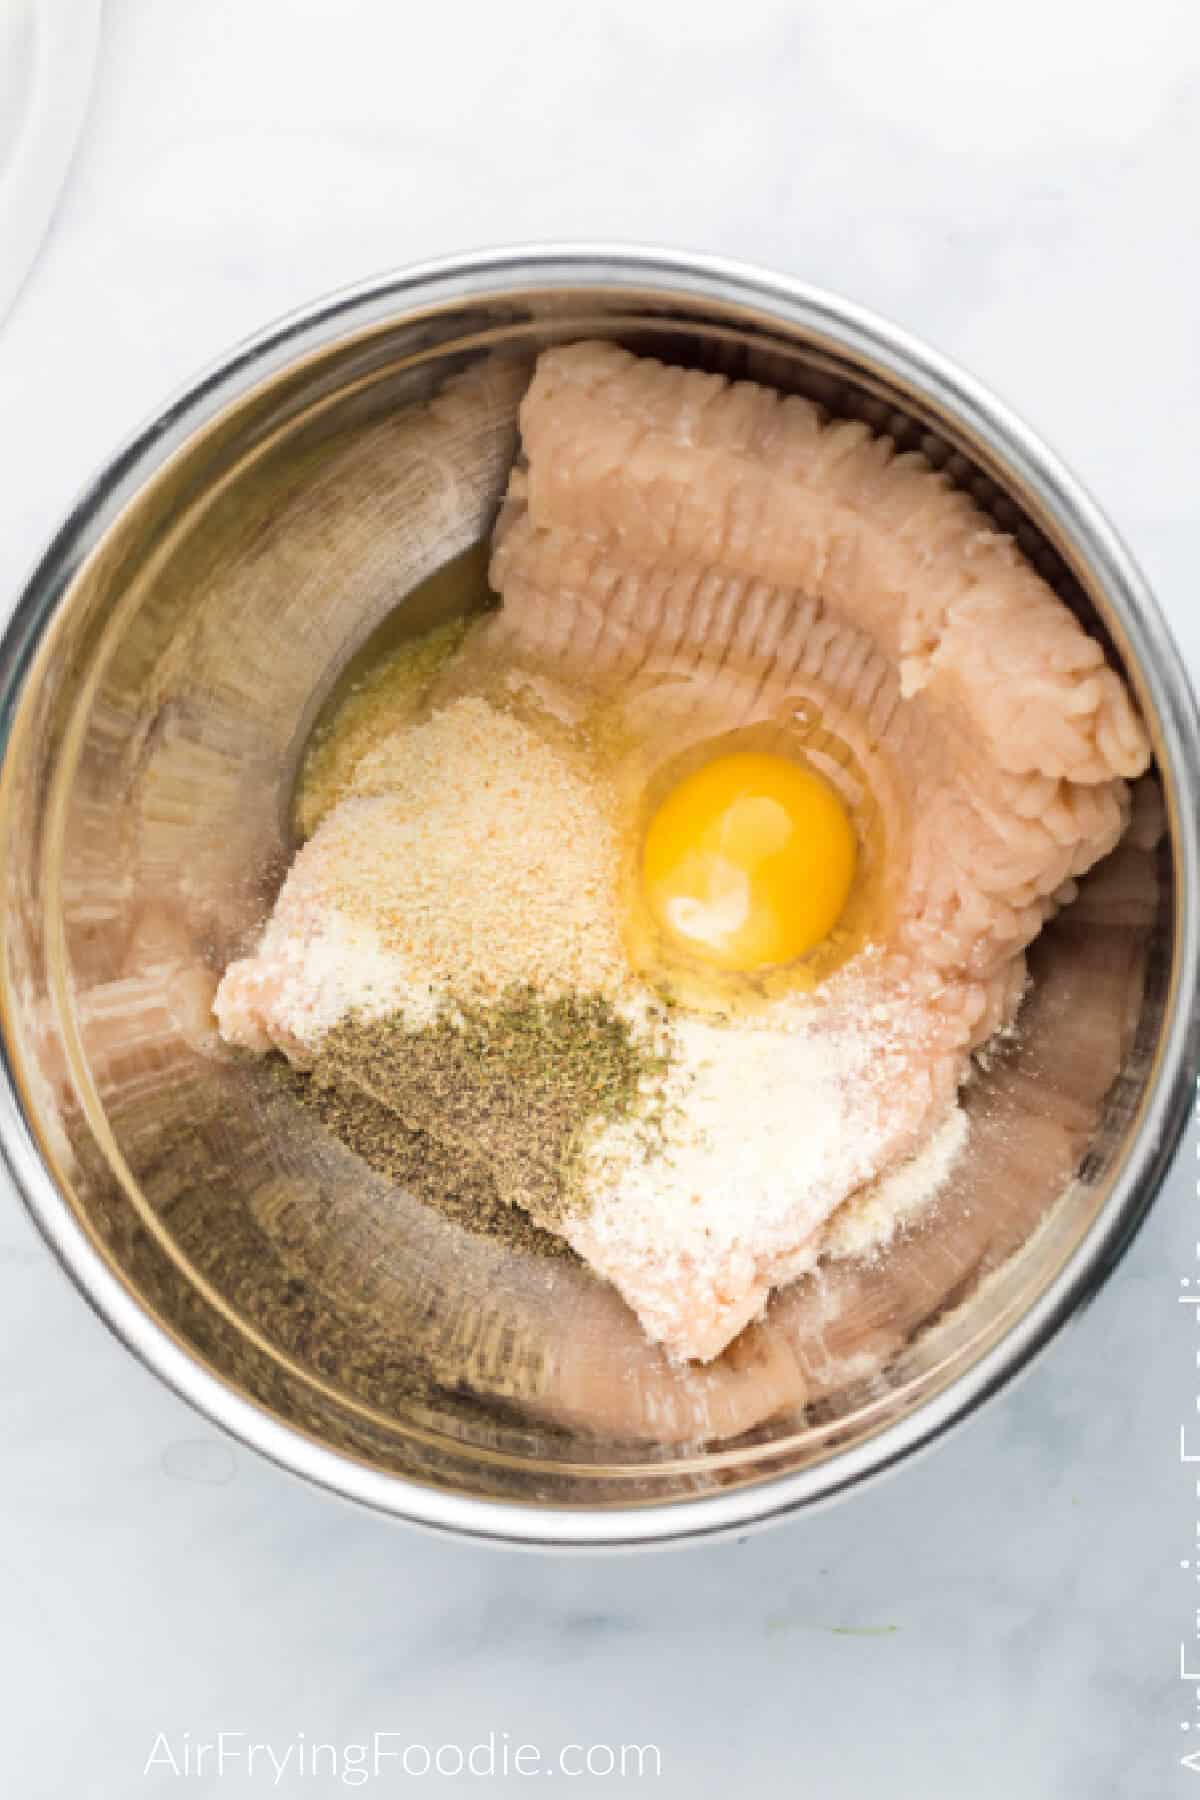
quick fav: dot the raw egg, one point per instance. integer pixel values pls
(749, 861)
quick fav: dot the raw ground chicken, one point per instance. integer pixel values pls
(748, 555)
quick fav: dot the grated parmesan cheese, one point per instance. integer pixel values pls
(769, 1124)
(868, 1222)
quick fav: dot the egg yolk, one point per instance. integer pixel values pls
(749, 861)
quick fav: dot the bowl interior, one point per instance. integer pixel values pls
(146, 821)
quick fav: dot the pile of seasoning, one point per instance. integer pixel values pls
(487, 1110)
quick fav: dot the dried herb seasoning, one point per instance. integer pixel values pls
(485, 1110)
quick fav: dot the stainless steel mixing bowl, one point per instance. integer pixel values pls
(159, 677)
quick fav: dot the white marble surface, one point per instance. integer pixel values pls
(1019, 187)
